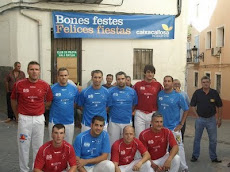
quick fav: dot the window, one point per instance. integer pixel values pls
(141, 58)
(196, 79)
(220, 37)
(209, 40)
(218, 83)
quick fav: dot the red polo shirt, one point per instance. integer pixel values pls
(147, 95)
(31, 97)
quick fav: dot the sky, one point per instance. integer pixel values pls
(200, 12)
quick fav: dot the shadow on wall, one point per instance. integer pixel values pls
(4, 70)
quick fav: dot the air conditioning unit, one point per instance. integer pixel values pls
(216, 51)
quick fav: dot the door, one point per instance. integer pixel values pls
(66, 52)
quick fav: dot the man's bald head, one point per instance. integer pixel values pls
(128, 134)
(128, 127)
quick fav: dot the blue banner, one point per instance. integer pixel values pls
(82, 25)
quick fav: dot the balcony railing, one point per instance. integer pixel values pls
(191, 59)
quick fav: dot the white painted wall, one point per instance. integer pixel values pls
(111, 56)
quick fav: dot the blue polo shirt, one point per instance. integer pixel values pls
(62, 107)
(94, 102)
(86, 146)
(169, 105)
(121, 102)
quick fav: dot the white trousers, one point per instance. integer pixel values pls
(103, 166)
(69, 132)
(146, 167)
(178, 137)
(175, 163)
(85, 128)
(142, 121)
(30, 129)
(115, 131)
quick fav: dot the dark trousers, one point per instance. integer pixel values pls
(10, 112)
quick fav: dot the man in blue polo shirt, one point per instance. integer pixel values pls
(122, 100)
(170, 103)
(65, 95)
(92, 148)
(93, 100)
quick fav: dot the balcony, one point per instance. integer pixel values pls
(192, 59)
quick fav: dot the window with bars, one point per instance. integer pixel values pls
(141, 58)
(196, 79)
(218, 83)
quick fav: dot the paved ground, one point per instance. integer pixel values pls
(9, 152)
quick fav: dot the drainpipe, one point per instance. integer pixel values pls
(179, 6)
(40, 57)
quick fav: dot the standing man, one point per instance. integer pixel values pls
(207, 101)
(56, 154)
(157, 139)
(123, 152)
(109, 80)
(93, 100)
(147, 91)
(28, 100)
(176, 87)
(128, 81)
(170, 104)
(122, 100)
(92, 148)
(12, 77)
(65, 95)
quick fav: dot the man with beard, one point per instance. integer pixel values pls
(92, 148)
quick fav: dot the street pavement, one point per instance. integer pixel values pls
(9, 151)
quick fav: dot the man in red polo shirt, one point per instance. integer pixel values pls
(28, 100)
(56, 154)
(157, 139)
(123, 152)
(147, 91)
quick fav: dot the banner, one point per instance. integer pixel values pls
(82, 25)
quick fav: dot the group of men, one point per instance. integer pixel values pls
(160, 114)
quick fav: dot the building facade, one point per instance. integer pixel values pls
(210, 35)
(27, 34)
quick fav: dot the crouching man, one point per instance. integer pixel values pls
(157, 139)
(124, 150)
(57, 154)
(92, 148)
